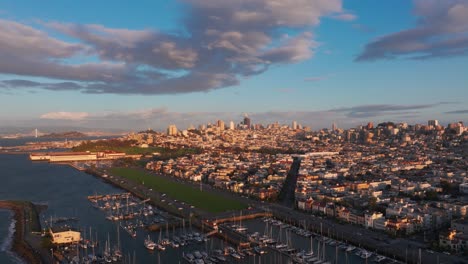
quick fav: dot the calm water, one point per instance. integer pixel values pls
(64, 190)
(4, 142)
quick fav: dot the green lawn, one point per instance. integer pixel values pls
(203, 200)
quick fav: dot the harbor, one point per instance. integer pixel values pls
(236, 239)
(80, 197)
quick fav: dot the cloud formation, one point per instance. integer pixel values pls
(65, 115)
(367, 111)
(317, 78)
(222, 43)
(465, 111)
(441, 31)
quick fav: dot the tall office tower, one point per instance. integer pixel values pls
(232, 126)
(333, 126)
(370, 125)
(247, 122)
(172, 130)
(220, 124)
(433, 123)
(294, 125)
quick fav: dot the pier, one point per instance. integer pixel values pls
(247, 216)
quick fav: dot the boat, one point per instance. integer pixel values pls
(160, 247)
(379, 258)
(149, 244)
(174, 244)
(259, 250)
(197, 254)
(188, 257)
(235, 255)
(350, 248)
(221, 258)
(365, 254)
(281, 246)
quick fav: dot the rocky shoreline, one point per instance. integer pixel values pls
(27, 221)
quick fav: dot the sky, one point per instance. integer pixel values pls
(147, 64)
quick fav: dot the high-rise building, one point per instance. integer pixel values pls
(294, 125)
(333, 126)
(231, 125)
(220, 124)
(172, 130)
(370, 125)
(247, 122)
(433, 123)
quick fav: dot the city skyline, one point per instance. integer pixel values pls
(149, 65)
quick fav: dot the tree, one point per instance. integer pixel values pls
(372, 203)
(431, 195)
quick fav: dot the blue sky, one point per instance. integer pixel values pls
(144, 64)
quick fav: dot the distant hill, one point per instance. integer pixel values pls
(70, 134)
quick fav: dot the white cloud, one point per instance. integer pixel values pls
(65, 115)
(441, 31)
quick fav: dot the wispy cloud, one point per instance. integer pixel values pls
(345, 16)
(317, 78)
(441, 31)
(363, 28)
(65, 115)
(367, 111)
(464, 111)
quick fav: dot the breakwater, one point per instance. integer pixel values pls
(26, 221)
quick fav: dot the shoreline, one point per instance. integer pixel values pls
(19, 246)
(6, 244)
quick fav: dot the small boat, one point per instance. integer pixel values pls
(189, 257)
(379, 258)
(259, 250)
(149, 244)
(197, 254)
(221, 258)
(174, 244)
(235, 255)
(281, 246)
(350, 248)
(160, 247)
(365, 254)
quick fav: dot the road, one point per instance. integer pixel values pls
(287, 194)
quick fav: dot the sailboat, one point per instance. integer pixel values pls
(160, 245)
(241, 228)
(311, 252)
(118, 250)
(324, 260)
(149, 244)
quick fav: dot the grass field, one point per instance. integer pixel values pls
(203, 200)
